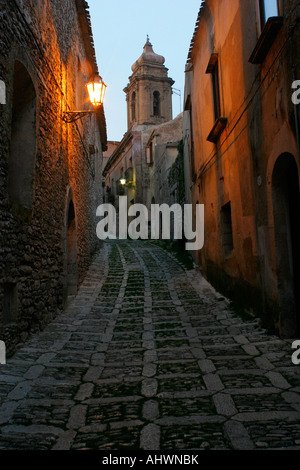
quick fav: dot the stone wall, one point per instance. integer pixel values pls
(48, 242)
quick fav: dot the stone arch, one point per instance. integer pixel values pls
(23, 138)
(70, 249)
(286, 213)
(156, 103)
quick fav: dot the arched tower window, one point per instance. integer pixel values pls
(23, 139)
(133, 101)
(156, 103)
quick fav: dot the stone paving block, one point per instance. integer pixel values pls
(20, 391)
(46, 358)
(7, 410)
(150, 437)
(64, 441)
(149, 370)
(126, 424)
(149, 344)
(149, 387)
(241, 339)
(224, 404)
(238, 436)
(213, 382)
(98, 359)
(278, 380)
(263, 363)
(191, 332)
(250, 349)
(150, 410)
(148, 336)
(34, 372)
(85, 391)
(189, 420)
(291, 397)
(265, 416)
(93, 373)
(198, 353)
(77, 417)
(206, 366)
(149, 327)
(32, 429)
(102, 347)
(150, 356)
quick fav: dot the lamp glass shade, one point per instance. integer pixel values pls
(123, 181)
(96, 88)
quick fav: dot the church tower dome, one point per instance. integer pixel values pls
(149, 91)
(148, 57)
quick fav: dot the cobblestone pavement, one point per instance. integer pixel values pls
(149, 356)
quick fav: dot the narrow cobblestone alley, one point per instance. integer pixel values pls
(149, 356)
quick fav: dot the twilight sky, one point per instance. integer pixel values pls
(120, 30)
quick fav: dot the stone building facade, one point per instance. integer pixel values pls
(111, 147)
(149, 114)
(161, 153)
(50, 170)
(241, 135)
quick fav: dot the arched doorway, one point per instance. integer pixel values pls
(286, 210)
(23, 138)
(71, 266)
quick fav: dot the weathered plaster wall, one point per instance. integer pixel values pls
(256, 100)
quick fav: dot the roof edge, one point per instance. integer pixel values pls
(85, 24)
(126, 139)
(202, 7)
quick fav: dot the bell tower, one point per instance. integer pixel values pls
(149, 91)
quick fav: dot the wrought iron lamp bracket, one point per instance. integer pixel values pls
(72, 116)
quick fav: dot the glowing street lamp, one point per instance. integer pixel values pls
(123, 181)
(96, 89)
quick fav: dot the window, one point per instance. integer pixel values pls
(156, 103)
(227, 228)
(213, 69)
(133, 99)
(216, 91)
(270, 24)
(267, 9)
(188, 107)
(219, 122)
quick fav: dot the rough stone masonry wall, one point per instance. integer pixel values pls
(46, 38)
